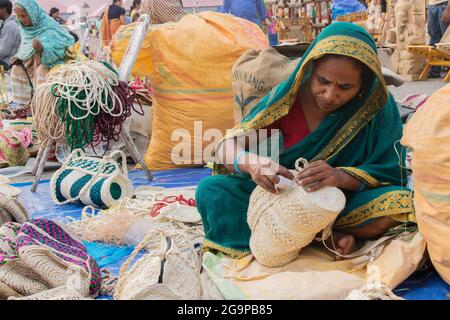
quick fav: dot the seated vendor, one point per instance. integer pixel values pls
(43, 46)
(336, 112)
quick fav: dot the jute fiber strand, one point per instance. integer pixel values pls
(170, 271)
(44, 107)
(108, 226)
(111, 225)
(283, 224)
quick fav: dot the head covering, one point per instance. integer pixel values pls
(340, 138)
(54, 39)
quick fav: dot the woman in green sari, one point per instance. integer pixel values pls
(336, 112)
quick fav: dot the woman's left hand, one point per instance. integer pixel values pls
(37, 45)
(318, 175)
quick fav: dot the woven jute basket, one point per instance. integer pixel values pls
(11, 210)
(21, 279)
(40, 255)
(170, 271)
(285, 223)
(60, 293)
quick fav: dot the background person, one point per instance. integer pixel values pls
(113, 18)
(134, 11)
(44, 45)
(253, 10)
(54, 13)
(9, 34)
(438, 21)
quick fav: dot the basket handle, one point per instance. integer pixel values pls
(298, 163)
(123, 158)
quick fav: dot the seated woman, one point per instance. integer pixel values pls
(112, 19)
(336, 112)
(134, 11)
(43, 46)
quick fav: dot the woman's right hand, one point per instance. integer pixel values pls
(265, 172)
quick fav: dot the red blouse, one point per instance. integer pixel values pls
(293, 126)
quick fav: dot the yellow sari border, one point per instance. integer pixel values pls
(395, 204)
(234, 253)
(362, 175)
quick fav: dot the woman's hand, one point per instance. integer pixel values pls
(265, 172)
(37, 45)
(320, 174)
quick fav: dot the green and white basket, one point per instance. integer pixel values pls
(92, 181)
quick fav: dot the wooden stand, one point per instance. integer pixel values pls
(124, 73)
(434, 57)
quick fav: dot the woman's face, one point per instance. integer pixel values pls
(334, 82)
(22, 16)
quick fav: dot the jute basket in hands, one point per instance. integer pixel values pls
(285, 223)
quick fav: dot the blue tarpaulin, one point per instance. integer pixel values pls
(420, 286)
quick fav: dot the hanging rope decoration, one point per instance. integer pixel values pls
(88, 100)
(108, 127)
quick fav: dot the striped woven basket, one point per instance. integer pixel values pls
(283, 224)
(12, 150)
(40, 255)
(92, 181)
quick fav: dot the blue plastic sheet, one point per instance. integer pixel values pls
(418, 287)
(343, 7)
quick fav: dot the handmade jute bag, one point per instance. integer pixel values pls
(170, 271)
(98, 182)
(16, 279)
(283, 224)
(40, 255)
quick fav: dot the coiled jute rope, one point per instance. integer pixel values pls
(82, 102)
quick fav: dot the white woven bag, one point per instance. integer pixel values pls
(285, 223)
(170, 271)
(98, 182)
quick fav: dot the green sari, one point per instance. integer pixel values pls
(359, 139)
